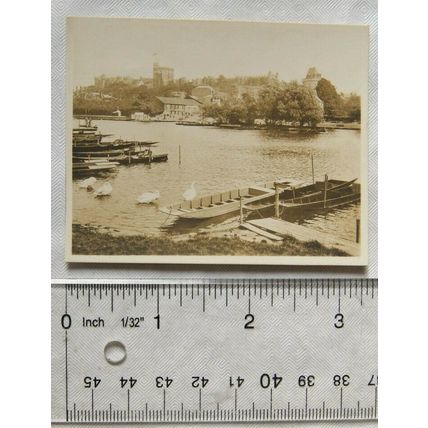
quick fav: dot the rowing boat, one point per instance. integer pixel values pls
(297, 200)
(84, 169)
(94, 147)
(334, 200)
(101, 154)
(219, 203)
(321, 195)
(89, 159)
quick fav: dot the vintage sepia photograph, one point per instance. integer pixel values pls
(216, 142)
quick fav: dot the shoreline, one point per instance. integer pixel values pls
(321, 127)
(91, 240)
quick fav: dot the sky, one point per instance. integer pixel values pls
(126, 47)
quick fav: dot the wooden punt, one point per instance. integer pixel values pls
(124, 158)
(334, 200)
(219, 203)
(297, 200)
(87, 138)
(95, 147)
(84, 170)
(321, 195)
(89, 159)
(101, 154)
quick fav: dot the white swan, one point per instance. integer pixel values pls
(190, 193)
(104, 190)
(148, 197)
(87, 184)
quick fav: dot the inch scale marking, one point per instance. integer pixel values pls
(235, 350)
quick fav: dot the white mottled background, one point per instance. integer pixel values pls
(309, 11)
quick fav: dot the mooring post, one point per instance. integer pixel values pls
(241, 211)
(313, 174)
(357, 231)
(276, 200)
(325, 190)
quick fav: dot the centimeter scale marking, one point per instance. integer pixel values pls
(215, 350)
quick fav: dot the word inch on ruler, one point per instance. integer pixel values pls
(272, 350)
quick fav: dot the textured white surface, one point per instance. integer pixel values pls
(202, 334)
(309, 11)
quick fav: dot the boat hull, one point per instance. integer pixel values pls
(332, 202)
(88, 172)
(310, 198)
(219, 204)
(124, 159)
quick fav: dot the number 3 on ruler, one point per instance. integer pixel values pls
(339, 321)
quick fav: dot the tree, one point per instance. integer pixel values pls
(333, 104)
(298, 104)
(352, 107)
(290, 103)
(215, 111)
(250, 110)
(150, 106)
(268, 106)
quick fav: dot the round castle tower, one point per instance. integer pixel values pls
(311, 81)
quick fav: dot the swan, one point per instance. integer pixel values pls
(148, 197)
(87, 184)
(104, 190)
(190, 193)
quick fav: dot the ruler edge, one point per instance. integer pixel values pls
(58, 283)
(203, 280)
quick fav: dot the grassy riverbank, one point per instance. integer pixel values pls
(91, 241)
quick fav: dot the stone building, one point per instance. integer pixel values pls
(176, 108)
(162, 76)
(311, 81)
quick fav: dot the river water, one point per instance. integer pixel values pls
(216, 160)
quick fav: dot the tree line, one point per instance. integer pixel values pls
(291, 102)
(338, 106)
(286, 102)
(276, 101)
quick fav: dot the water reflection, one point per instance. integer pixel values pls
(217, 160)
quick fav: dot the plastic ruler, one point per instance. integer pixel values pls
(215, 350)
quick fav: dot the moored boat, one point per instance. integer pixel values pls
(124, 158)
(93, 147)
(220, 203)
(106, 153)
(89, 169)
(88, 138)
(321, 195)
(162, 157)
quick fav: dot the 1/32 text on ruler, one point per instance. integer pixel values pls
(215, 351)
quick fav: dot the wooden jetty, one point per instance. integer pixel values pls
(276, 229)
(100, 117)
(261, 232)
